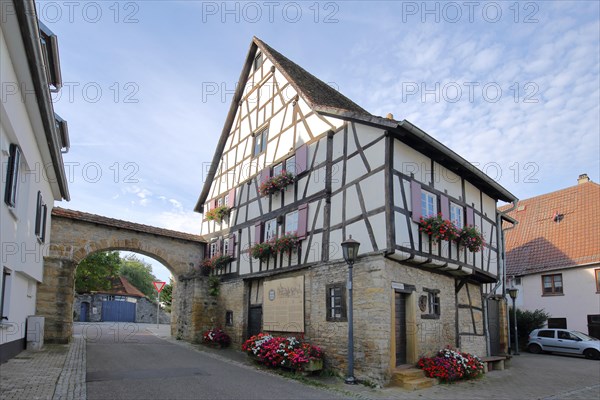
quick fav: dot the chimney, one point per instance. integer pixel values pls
(583, 178)
(390, 116)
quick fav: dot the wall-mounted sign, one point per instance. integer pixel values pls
(283, 310)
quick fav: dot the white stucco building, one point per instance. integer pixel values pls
(553, 256)
(32, 140)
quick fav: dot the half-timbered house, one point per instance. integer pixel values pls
(297, 159)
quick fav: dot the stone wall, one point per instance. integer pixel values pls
(145, 313)
(471, 320)
(73, 239)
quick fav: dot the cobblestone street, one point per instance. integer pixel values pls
(59, 373)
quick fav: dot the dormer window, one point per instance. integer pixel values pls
(258, 61)
(49, 43)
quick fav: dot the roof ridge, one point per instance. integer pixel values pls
(537, 197)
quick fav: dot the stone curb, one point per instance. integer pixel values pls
(71, 382)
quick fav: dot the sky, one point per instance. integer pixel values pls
(513, 87)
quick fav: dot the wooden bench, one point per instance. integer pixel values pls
(493, 363)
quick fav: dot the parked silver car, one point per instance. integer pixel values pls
(563, 341)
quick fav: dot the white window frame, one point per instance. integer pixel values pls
(277, 169)
(270, 229)
(428, 204)
(12, 181)
(291, 219)
(219, 202)
(456, 215)
(214, 248)
(260, 141)
(291, 162)
(225, 246)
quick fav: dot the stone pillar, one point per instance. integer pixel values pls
(195, 308)
(55, 299)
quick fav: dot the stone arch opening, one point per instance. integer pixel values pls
(76, 235)
(145, 307)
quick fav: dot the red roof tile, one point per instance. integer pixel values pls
(555, 230)
(122, 287)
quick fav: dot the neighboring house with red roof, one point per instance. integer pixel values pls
(553, 256)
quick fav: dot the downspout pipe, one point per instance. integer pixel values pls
(500, 216)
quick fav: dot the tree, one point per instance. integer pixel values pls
(139, 274)
(96, 271)
(528, 321)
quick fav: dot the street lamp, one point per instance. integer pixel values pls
(512, 292)
(350, 251)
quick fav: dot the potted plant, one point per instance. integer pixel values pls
(438, 228)
(471, 238)
(286, 243)
(262, 251)
(276, 183)
(216, 337)
(218, 213)
(284, 352)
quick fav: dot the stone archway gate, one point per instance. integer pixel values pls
(75, 235)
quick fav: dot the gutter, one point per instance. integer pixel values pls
(28, 23)
(500, 216)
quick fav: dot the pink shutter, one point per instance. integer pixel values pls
(415, 193)
(231, 246)
(215, 203)
(470, 216)
(258, 233)
(302, 221)
(231, 202)
(265, 174)
(445, 206)
(301, 159)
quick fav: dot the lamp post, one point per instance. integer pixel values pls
(350, 251)
(512, 292)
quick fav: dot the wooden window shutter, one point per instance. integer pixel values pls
(265, 174)
(231, 202)
(445, 206)
(258, 232)
(415, 193)
(302, 221)
(470, 216)
(206, 250)
(231, 246)
(215, 203)
(301, 159)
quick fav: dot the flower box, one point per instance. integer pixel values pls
(276, 184)
(218, 213)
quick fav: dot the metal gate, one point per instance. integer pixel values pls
(83, 313)
(118, 311)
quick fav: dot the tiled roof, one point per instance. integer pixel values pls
(117, 223)
(122, 287)
(555, 230)
(315, 92)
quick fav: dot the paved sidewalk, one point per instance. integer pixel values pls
(57, 372)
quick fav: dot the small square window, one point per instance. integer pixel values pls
(260, 142)
(428, 204)
(336, 302)
(552, 284)
(433, 304)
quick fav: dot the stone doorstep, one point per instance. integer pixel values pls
(411, 379)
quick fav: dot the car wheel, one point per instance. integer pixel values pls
(535, 348)
(592, 354)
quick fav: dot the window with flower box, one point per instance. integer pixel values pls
(428, 204)
(291, 222)
(552, 284)
(295, 222)
(336, 302)
(277, 169)
(456, 215)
